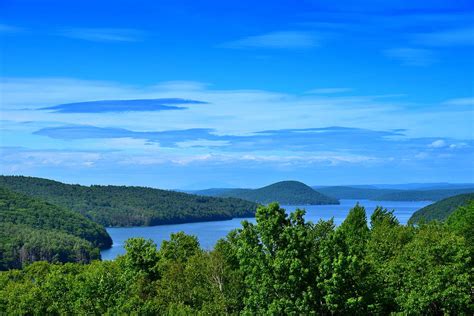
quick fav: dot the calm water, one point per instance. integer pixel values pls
(209, 232)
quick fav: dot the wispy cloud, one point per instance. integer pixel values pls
(452, 37)
(105, 34)
(277, 40)
(105, 106)
(460, 101)
(354, 141)
(8, 29)
(329, 90)
(411, 56)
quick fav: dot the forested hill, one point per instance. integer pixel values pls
(381, 194)
(130, 206)
(441, 209)
(31, 230)
(285, 192)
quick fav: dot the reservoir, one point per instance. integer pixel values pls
(209, 232)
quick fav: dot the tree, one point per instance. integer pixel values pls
(433, 274)
(274, 255)
(343, 271)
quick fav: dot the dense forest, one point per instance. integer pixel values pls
(130, 206)
(32, 230)
(379, 194)
(284, 192)
(282, 265)
(441, 209)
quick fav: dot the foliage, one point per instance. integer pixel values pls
(441, 209)
(130, 206)
(461, 221)
(284, 192)
(280, 265)
(32, 230)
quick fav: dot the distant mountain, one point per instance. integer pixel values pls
(211, 192)
(285, 192)
(345, 192)
(32, 230)
(130, 206)
(441, 209)
(421, 195)
(377, 194)
(423, 186)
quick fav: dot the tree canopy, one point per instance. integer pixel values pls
(130, 206)
(280, 265)
(33, 230)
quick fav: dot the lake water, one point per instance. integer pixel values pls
(209, 232)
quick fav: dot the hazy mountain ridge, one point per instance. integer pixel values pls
(284, 192)
(383, 194)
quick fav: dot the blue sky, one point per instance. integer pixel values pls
(195, 94)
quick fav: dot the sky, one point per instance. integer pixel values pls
(199, 94)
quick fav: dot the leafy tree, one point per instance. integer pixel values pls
(461, 221)
(344, 271)
(274, 257)
(180, 247)
(433, 274)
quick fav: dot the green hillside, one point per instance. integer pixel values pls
(441, 209)
(130, 206)
(32, 230)
(285, 192)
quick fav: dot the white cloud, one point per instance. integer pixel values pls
(329, 90)
(438, 144)
(234, 112)
(281, 39)
(104, 34)
(8, 29)
(452, 37)
(460, 101)
(411, 56)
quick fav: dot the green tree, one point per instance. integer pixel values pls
(274, 256)
(343, 277)
(461, 222)
(433, 274)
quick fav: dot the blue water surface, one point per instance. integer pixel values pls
(209, 232)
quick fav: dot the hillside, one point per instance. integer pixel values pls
(31, 230)
(441, 209)
(285, 192)
(130, 206)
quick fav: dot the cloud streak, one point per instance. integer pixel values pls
(343, 140)
(105, 106)
(451, 37)
(411, 56)
(104, 34)
(277, 40)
